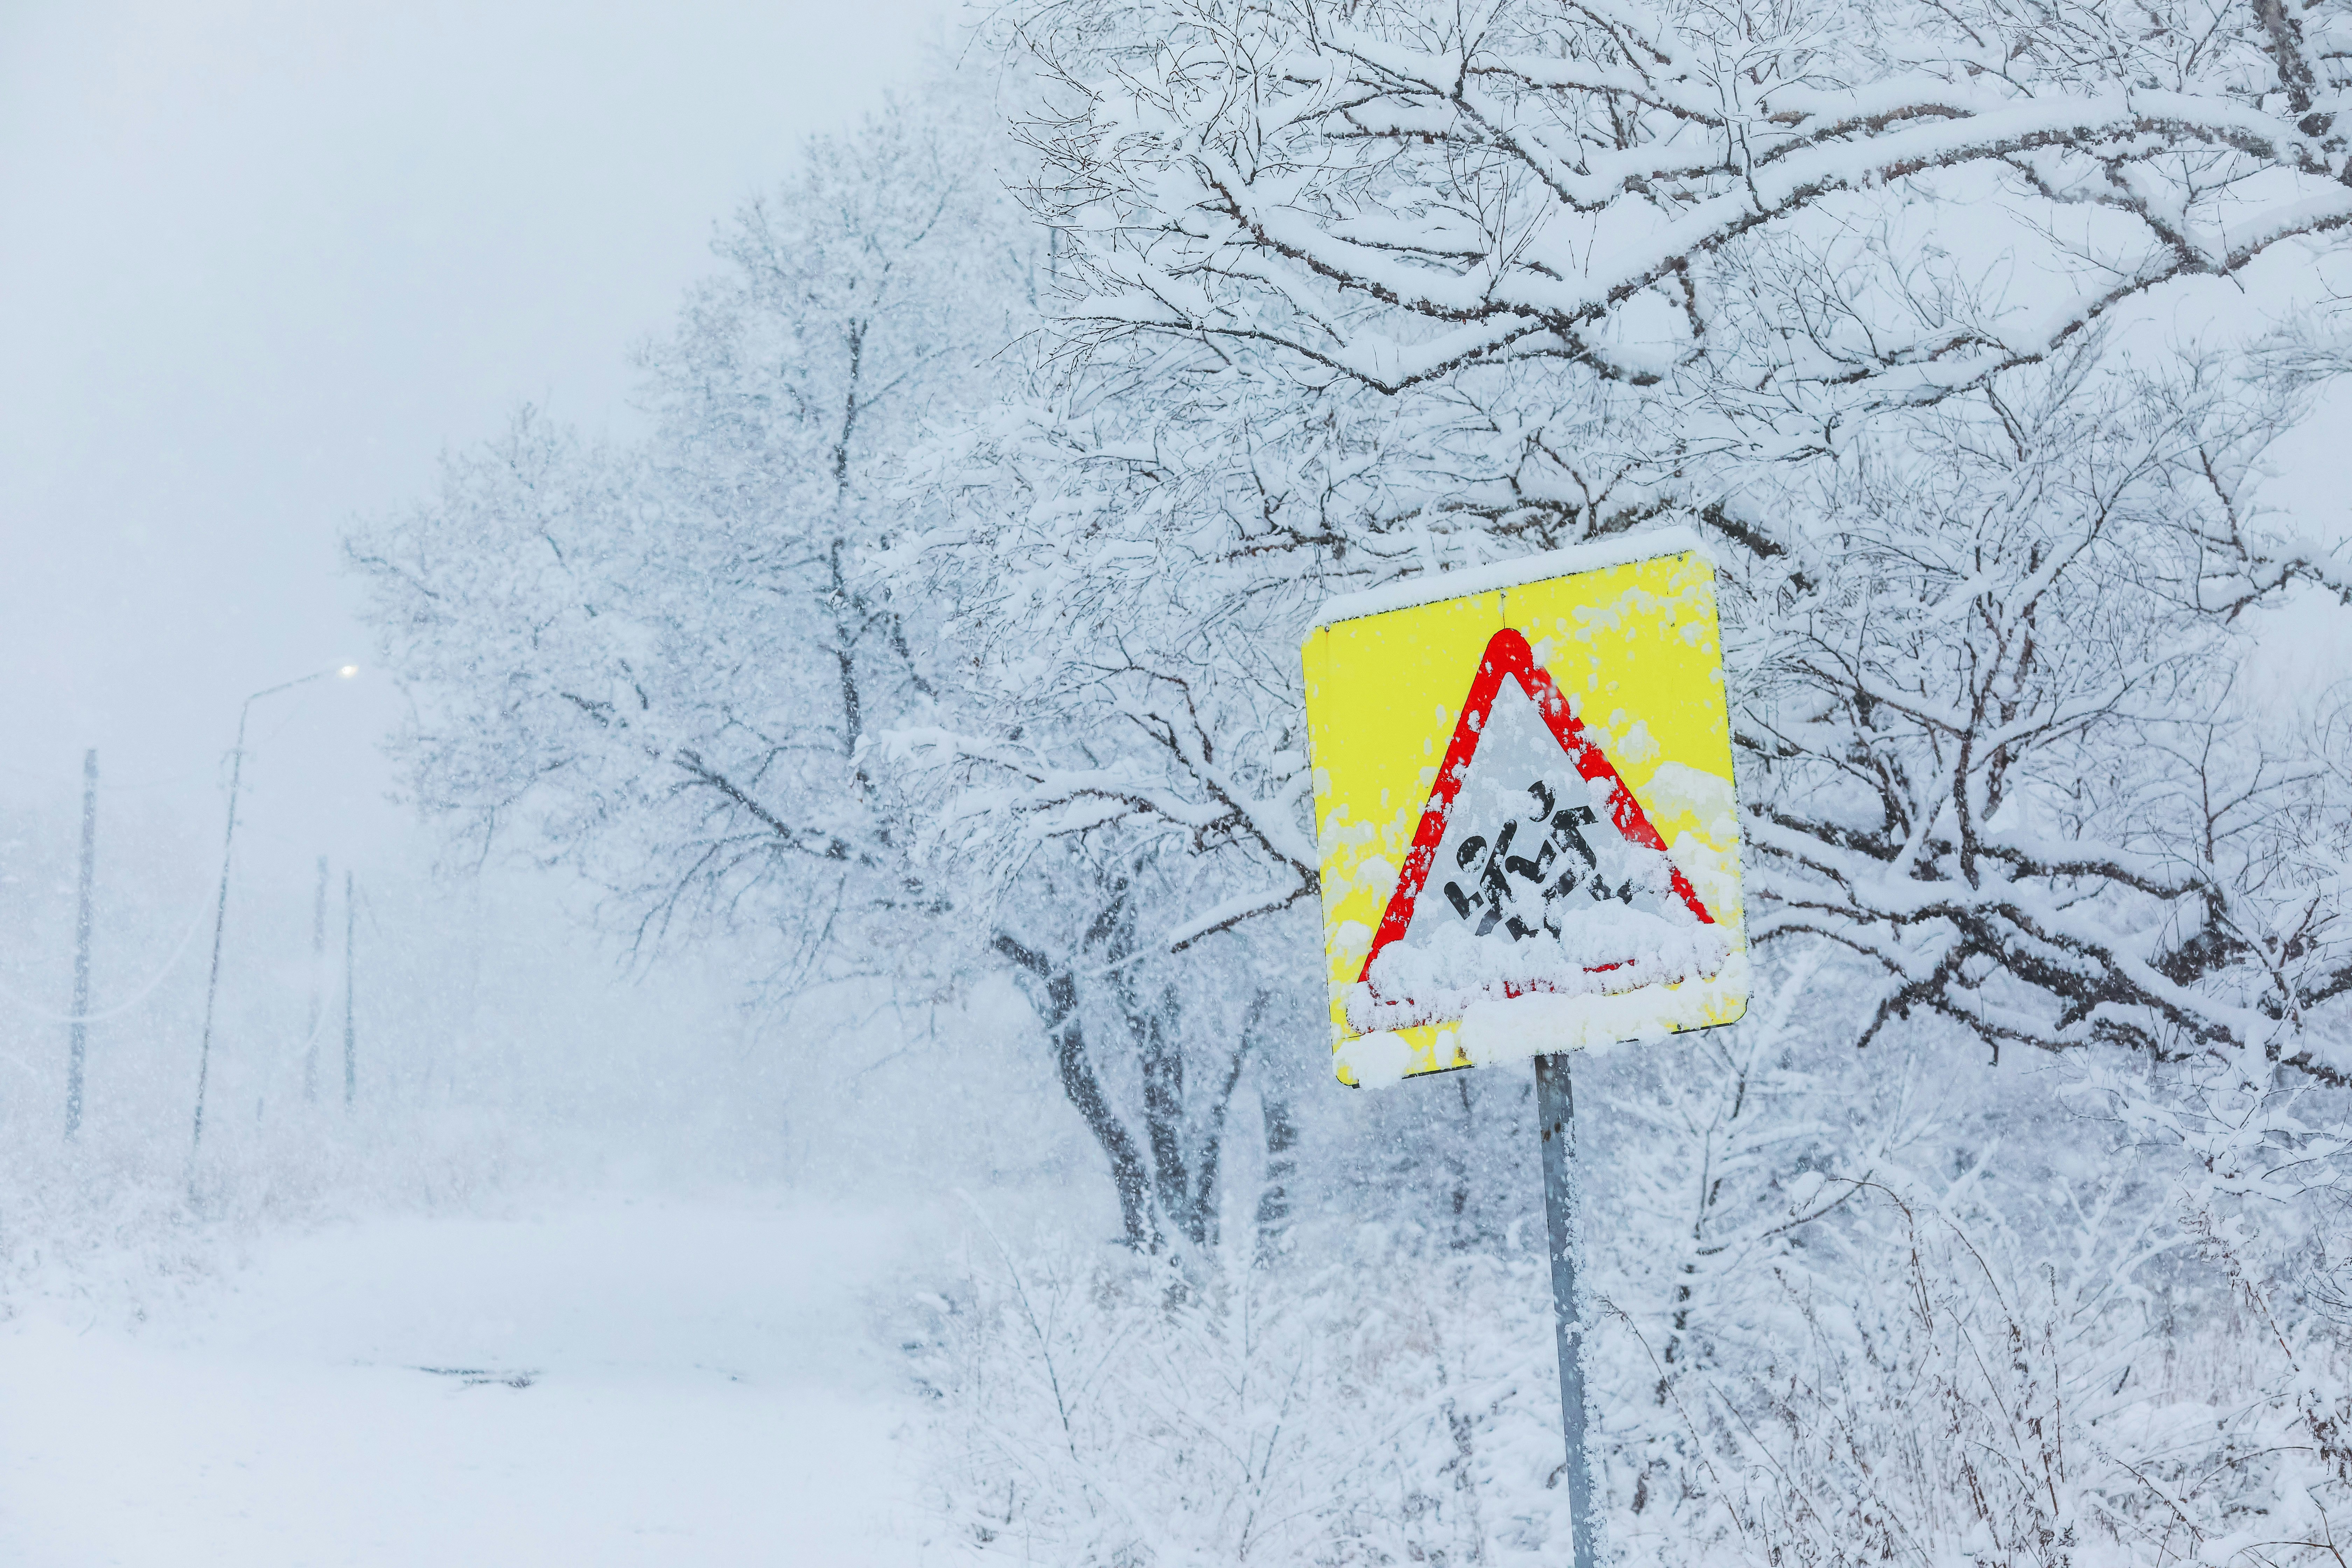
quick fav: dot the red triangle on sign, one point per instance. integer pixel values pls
(1509, 656)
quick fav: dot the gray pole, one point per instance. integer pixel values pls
(220, 906)
(351, 1037)
(79, 1041)
(220, 919)
(318, 1001)
(1555, 1118)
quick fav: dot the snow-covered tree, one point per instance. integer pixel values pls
(949, 615)
(1743, 202)
(1351, 292)
(666, 662)
(658, 660)
(1937, 320)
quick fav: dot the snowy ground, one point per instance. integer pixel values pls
(613, 1382)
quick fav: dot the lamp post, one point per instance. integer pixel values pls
(220, 906)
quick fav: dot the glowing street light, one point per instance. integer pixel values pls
(220, 906)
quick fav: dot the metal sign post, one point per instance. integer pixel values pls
(1556, 1119)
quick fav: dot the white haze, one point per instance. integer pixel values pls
(259, 262)
(838, 1060)
(262, 262)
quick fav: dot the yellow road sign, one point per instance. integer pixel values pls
(1524, 808)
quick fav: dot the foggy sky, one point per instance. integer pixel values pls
(259, 262)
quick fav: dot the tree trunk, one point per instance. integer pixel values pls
(1059, 1009)
(1281, 1170)
(1162, 1056)
(1211, 1159)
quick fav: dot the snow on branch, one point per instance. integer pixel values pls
(1394, 195)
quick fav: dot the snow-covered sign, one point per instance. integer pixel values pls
(1524, 804)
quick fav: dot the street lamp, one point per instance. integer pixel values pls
(220, 907)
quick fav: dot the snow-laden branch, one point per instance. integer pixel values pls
(1394, 198)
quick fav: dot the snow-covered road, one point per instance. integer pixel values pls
(606, 1384)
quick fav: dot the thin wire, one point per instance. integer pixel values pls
(319, 1029)
(177, 953)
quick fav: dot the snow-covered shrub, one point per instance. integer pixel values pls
(1122, 1411)
(1959, 1394)
(1847, 1316)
